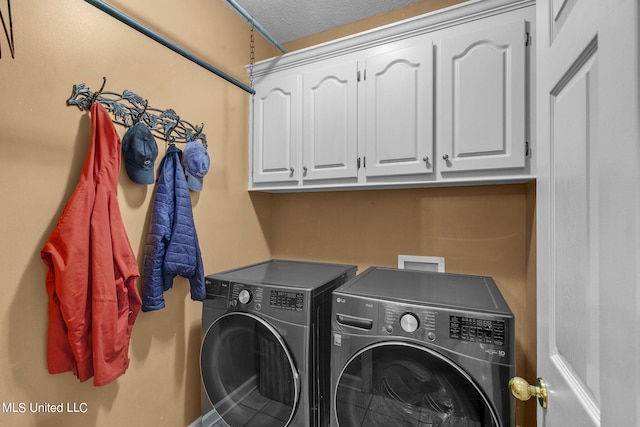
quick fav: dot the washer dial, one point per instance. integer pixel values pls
(409, 322)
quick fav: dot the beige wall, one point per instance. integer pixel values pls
(415, 9)
(480, 230)
(44, 143)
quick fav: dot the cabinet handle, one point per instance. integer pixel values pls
(445, 157)
(291, 174)
(425, 159)
(304, 171)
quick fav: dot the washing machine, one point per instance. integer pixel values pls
(267, 343)
(418, 348)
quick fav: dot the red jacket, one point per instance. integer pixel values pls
(93, 299)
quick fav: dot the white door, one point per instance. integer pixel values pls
(330, 122)
(588, 212)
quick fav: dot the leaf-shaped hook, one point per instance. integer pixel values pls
(95, 95)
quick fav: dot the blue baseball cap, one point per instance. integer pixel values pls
(196, 164)
(139, 150)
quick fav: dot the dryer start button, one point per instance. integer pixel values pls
(409, 322)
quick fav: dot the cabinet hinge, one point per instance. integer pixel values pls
(527, 38)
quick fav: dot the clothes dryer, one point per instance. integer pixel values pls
(266, 346)
(417, 348)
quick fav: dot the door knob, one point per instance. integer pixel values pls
(521, 390)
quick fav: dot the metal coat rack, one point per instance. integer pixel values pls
(129, 108)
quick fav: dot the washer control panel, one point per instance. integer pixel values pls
(482, 331)
(466, 332)
(409, 321)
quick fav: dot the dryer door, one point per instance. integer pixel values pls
(398, 383)
(248, 373)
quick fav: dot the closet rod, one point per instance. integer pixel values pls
(167, 43)
(257, 26)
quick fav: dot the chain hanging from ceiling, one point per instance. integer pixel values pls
(252, 54)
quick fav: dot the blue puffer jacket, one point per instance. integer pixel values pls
(172, 247)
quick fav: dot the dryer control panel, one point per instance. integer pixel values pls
(286, 300)
(256, 298)
(247, 296)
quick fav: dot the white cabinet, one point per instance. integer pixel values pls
(387, 92)
(330, 122)
(440, 99)
(481, 100)
(372, 110)
(305, 126)
(398, 119)
(274, 133)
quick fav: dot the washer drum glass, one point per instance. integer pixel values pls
(401, 384)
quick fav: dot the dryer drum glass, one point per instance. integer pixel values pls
(247, 373)
(396, 384)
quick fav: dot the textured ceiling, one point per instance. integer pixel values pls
(287, 20)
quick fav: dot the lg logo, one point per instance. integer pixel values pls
(341, 300)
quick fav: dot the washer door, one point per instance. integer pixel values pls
(397, 383)
(248, 373)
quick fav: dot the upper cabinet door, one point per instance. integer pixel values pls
(330, 122)
(276, 130)
(481, 104)
(399, 111)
